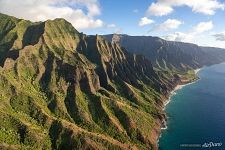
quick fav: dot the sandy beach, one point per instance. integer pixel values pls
(192, 102)
(197, 70)
(178, 87)
(173, 92)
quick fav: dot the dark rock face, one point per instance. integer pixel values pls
(167, 54)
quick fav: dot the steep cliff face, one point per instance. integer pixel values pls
(169, 55)
(64, 90)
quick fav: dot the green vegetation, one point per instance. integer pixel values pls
(64, 90)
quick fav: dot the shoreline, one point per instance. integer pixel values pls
(197, 70)
(179, 87)
(172, 93)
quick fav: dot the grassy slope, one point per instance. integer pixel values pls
(67, 90)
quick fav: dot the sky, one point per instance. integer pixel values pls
(194, 21)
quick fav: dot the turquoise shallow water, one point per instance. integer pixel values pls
(196, 114)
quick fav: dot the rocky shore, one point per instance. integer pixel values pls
(177, 86)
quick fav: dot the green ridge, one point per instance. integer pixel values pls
(61, 89)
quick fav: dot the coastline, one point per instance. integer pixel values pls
(179, 86)
(197, 70)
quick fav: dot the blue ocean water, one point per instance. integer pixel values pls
(196, 114)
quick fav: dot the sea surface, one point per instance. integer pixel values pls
(196, 114)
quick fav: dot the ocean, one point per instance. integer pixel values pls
(196, 114)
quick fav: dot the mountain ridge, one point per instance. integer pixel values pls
(64, 89)
(172, 55)
(61, 89)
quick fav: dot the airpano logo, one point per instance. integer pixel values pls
(212, 144)
(205, 145)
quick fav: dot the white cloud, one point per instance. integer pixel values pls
(179, 36)
(111, 26)
(169, 24)
(118, 31)
(145, 21)
(220, 36)
(203, 26)
(81, 13)
(157, 9)
(196, 31)
(165, 7)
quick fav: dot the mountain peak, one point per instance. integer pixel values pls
(4, 16)
(62, 22)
